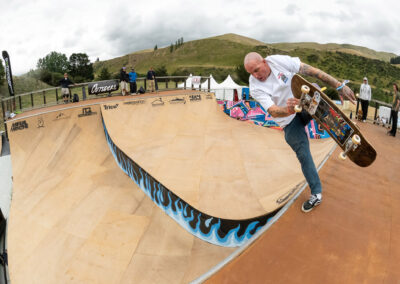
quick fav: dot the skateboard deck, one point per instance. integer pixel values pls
(346, 134)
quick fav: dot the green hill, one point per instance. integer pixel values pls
(333, 47)
(23, 84)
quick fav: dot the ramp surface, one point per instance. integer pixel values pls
(352, 237)
(221, 166)
(76, 217)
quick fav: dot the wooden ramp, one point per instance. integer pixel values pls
(76, 217)
(353, 237)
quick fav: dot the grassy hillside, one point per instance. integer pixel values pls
(211, 55)
(333, 47)
(23, 84)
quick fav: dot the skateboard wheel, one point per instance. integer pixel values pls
(342, 156)
(298, 108)
(356, 139)
(305, 89)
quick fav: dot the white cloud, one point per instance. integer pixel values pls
(29, 30)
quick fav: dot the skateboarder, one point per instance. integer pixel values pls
(270, 85)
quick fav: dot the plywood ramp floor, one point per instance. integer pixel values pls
(222, 167)
(77, 218)
(352, 237)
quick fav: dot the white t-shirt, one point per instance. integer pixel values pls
(276, 90)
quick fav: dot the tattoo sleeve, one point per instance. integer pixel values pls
(276, 111)
(306, 69)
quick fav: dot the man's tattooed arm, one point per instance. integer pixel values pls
(306, 69)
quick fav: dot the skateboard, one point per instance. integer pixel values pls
(346, 134)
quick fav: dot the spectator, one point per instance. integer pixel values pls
(132, 81)
(124, 78)
(365, 97)
(65, 82)
(151, 75)
(395, 110)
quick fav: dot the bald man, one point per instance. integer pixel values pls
(270, 85)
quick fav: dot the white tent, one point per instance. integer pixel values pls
(191, 79)
(213, 84)
(227, 88)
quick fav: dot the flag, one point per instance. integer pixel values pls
(8, 73)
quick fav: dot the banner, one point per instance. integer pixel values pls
(107, 86)
(8, 73)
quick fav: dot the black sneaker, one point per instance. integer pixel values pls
(311, 203)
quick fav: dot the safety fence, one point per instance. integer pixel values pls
(53, 96)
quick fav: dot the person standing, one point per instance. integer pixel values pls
(365, 97)
(270, 85)
(395, 110)
(132, 81)
(124, 78)
(65, 82)
(151, 75)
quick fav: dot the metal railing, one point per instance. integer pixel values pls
(52, 96)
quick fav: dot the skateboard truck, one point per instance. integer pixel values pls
(305, 98)
(351, 145)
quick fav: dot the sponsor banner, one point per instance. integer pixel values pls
(8, 73)
(178, 101)
(61, 116)
(107, 86)
(158, 102)
(195, 98)
(108, 107)
(40, 122)
(136, 102)
(19, 125)
(87, 111)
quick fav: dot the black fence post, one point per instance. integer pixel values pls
(83, 93)
(209, 84)
(57, 96)
(376, 110)
(166, 83)
(145, 84)
(31, 99)
(20, 103)
(44, 97)
(358, 105)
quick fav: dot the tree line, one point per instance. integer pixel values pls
(51, 68)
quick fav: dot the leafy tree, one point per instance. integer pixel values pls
(395, 60)
(104, 74)
(2, 73)
(53, 62)
(155, 47)
(242, 74)
(171, 48)
(80, 67)
(161, 71)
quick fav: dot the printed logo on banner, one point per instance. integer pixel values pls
(19, 125)
(195, 98)
(60, 116)
(40, 122)
(209, 97)
(108, 107)
(157, 102)
(137, 102)
(87, 111)
(178, 101)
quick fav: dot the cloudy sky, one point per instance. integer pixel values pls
(29, 30)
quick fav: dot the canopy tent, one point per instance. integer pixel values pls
(213, 84)
(227, 89)
(195, 80)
